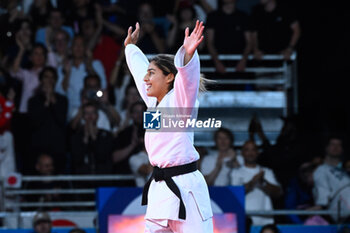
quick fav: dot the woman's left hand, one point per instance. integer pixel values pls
(192, 41)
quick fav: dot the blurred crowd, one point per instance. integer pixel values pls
(69, 104)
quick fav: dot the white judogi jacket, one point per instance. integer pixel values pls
(168, 149)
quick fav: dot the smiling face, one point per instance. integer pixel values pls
(157, 83)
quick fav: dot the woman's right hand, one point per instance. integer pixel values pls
(132, 37)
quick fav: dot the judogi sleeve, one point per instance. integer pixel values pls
(138, 65)
(187, 80)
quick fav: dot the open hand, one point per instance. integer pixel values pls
(192, 41)
(132, 37)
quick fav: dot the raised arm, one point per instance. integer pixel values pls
(188, 66)
(137, 62)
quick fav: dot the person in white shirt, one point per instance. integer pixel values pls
(331, 182)
(72, 74)
(177, 194)
(218, 164)
(140, 167)
(259, 182)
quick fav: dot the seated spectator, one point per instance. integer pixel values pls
(299, 192)
(45, 166)
(228, 33)
(72, 74)
(185, 17)
(270, 228)
(151, 38)
(332, 183)
(275, 29)
(91, 147)
(259, 182)
(47, 111)
(129, 142)
(42, 223)
(140, 167)
(55, 23)
(217, 165)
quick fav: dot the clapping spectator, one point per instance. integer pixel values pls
(48, 113)
(275, 29)
(108, 117)
(129, 141)
(228, 33)
(91, 147)
(72, 74)
(58, 47)
(259, 182)
(217, 165)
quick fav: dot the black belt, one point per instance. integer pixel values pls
(166, 174)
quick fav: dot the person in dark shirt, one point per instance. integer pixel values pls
(151, 38)
(47, 111)
(129, 142)
(91, 147)
(275, 29)
(220, 40)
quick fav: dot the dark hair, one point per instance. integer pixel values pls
(77, 230)
(165, 62)
(271, 227)
(92, 76)
(48, 69)
(91, 104)
(39, 45)
(190, 7)
(249, 141)
(227, 132)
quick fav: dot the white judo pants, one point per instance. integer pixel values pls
(192, 224)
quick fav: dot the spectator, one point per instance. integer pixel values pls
(217, 165)
(7, 102)
(55, 23)
(22, 31)
(131, 96)
(103, 47)
(270, 228)
(299, 192)
(42, 223)
(140, 167)
(44, 166)
(259, 182)
(275, 29)
(332, 183)
(151, 38)
(108, 117)
(58, 47)
(47, 111)
(40, 12)
(129, 141)
(91, 148)
(80, 10)
(30, 82)
(71, 75)
(222, 41)
(286, 155)
(185, 17)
